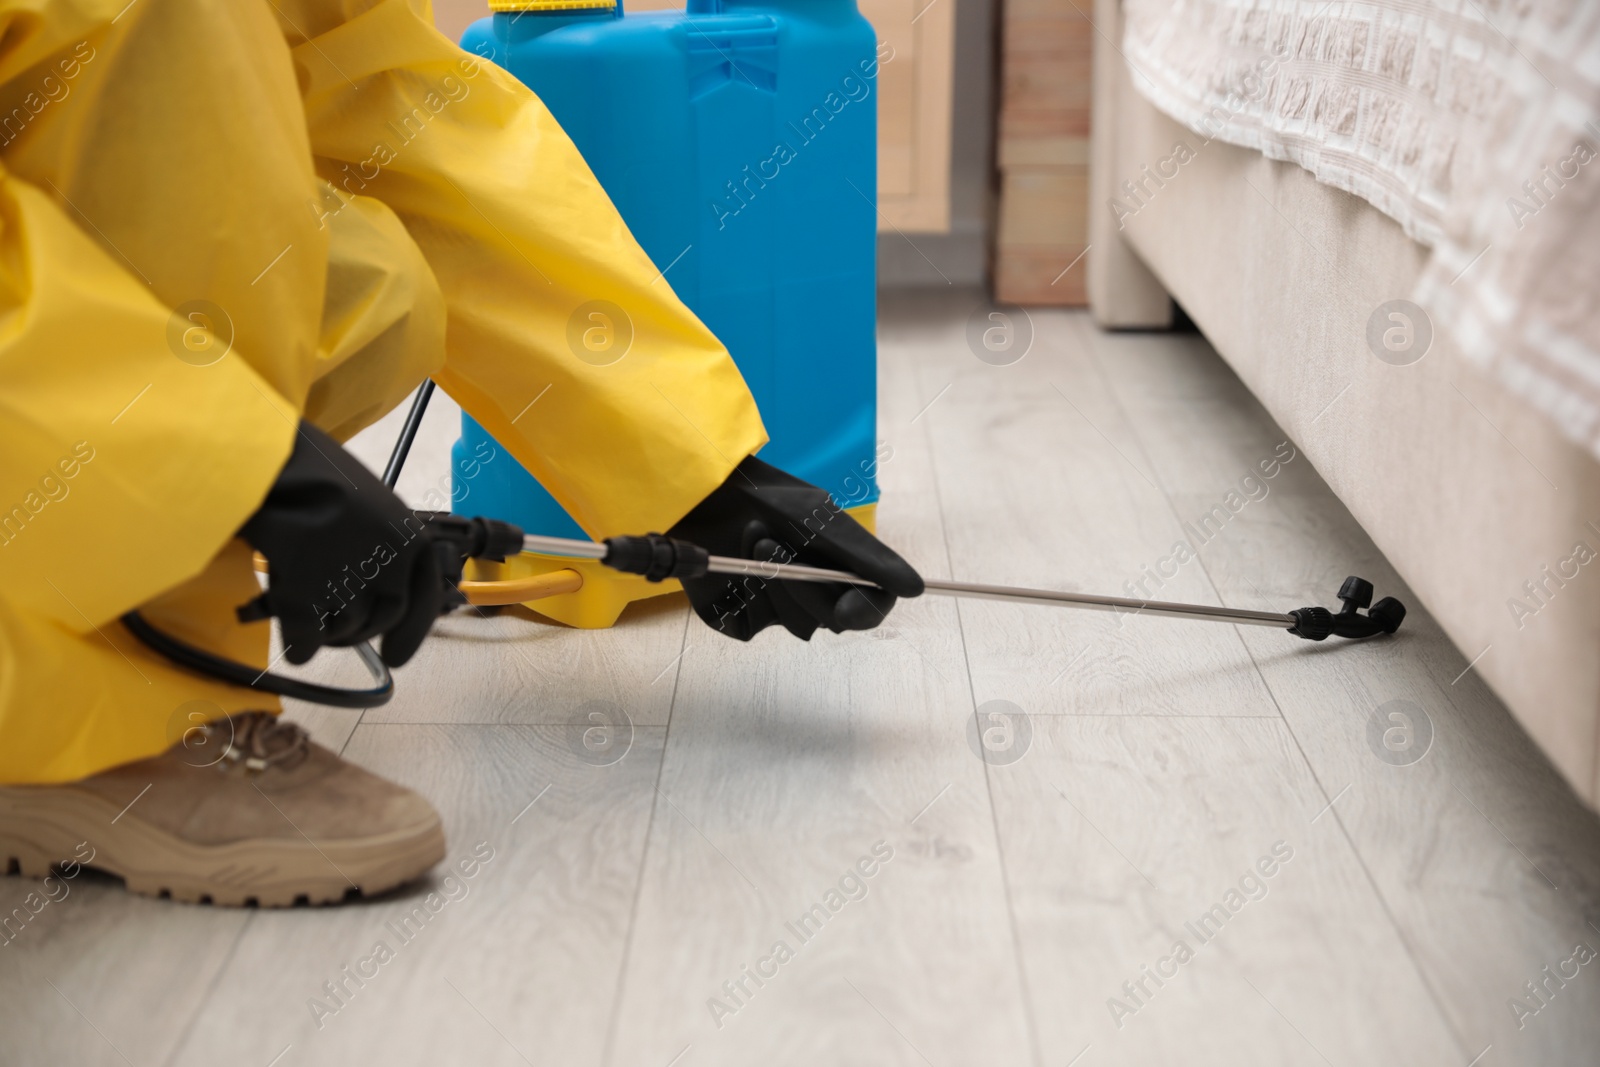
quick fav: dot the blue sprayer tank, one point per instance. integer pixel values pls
(738, 140)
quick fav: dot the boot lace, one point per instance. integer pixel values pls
(258, 740)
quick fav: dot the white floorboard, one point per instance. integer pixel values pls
(520, 963)
(1152, 765)
(1487, 863)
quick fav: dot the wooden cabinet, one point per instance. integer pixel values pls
(1041, 236)
(914, 103)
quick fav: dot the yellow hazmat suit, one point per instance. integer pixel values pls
(217, 216)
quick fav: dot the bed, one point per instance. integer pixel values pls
(1319, 220)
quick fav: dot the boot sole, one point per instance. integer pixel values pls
(39, 834)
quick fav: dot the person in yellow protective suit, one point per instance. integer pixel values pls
(226, 228)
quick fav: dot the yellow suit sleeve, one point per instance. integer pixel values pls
(525, 244)
(125, 467)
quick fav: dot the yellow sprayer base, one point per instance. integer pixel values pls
(604, 593)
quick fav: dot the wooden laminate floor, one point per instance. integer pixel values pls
(1187, 843)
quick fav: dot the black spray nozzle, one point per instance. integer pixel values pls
(656, 557)
(1384, 617)
(477, 538)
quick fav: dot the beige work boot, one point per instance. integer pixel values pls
(243, 810)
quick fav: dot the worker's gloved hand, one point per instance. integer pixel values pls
(348, 560)
(764, 514)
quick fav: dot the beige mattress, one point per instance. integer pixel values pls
(1490, 514)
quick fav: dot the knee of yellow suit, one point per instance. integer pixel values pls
(75, 703)
(383, 319)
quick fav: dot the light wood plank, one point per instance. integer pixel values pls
(518, 668)
(1117, 826)
(1415, 906)
(786, 762)
(99, 975)
(521, 965)
(1044, 485)
(1483, 855)
(1122, 833)
(329, 727)
(1202, 430)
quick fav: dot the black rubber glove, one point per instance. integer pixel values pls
(349, 560)
(762, 513)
